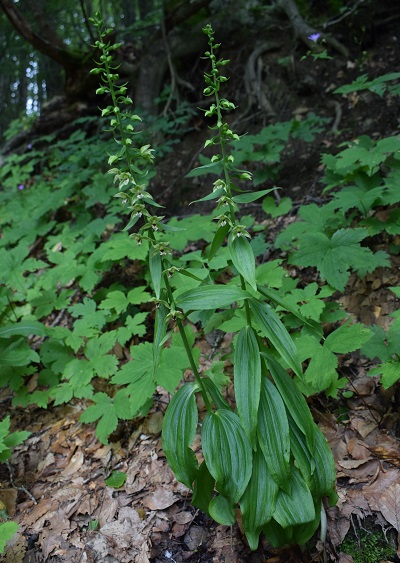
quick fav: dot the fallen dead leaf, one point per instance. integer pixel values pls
(160, 499)
(389, 504)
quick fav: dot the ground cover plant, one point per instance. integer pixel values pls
(75, 230)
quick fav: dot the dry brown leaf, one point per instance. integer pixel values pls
(344, 558)
(74, 465)
(357, 450)
(363, 426)
(160, 499)
(389, 504)
(9, 498)
(375, 490)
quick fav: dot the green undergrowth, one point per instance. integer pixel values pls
(75, 289)
(370, 545)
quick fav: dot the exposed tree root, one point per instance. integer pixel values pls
(303, 30)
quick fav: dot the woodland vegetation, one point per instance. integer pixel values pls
(199, 250)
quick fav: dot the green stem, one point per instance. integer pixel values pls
(188, 349)
(226, 172)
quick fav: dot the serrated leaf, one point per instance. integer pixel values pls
(227, 453)
(121, 246)
(142, 362)
(208, 297)
(348, 338)
(116, 300)
(321, 371)
(247, 377)
(335, 257)
(276, 209)
(296, 508)
(273, 328)
(389, 371)
(104, 411)
(295, 402)
(16, 438)
(258, 501)
(273, 434)
(179, 429)
(242, 256)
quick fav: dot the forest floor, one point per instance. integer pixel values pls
(150, 518)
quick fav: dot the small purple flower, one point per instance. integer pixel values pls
(21, 187)
(314, 37)
(29, 146)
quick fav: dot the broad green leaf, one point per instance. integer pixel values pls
(116, 480)
(179, 429)
(247, 377)
(222, 511)
(203, 488)
(304, 460)
(251, 196)
(155, 265)
(273, 434)
(296, 508)
(7, 531)
(215, 394)
(23, 328)
(302, 533)
(258, 501)
(227, 453)
(189, 274)
(295, 402)
(275, 297)
(218, 239)
(211, 168)
(160, 328)
(208, 297)
(242, 256)
(273, 328)
(276, 535)
(213, 195)
(169, 228)
(16, 353)
(324, 476)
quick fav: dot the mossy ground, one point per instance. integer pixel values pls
(370, 544)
